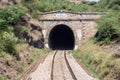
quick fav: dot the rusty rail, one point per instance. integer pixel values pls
(69, 67)
(67, 63)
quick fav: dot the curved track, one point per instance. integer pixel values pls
(67, 64)
(69, 67)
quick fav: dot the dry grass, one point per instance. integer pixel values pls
(103, 65)
(28, 55)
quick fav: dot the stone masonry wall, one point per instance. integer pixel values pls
(82, 24)
(89, 30)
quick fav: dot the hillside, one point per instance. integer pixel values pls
(19, 35)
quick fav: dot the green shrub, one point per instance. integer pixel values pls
(25, 29)
(1, 45)
(3, 78)
(108, 28)
(9, 16)
(109, 4)
(114, 4)
(8, 44)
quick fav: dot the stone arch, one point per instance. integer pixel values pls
(69, 32)
(69, 25)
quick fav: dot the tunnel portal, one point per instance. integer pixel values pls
(61, 37)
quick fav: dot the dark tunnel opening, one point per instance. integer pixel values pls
(61, 37)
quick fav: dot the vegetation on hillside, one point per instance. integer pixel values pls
(35, 7)
(8, 44)
(29, 55)
(109, 4)
(108, 28)
(15, 56)
(102, 65)
(109, 24)
(9, 16)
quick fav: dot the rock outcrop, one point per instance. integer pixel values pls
(34, 37)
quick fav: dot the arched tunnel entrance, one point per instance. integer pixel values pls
(61, 37)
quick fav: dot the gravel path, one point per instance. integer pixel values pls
(60, 69)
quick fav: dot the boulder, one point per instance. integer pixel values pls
(36, 39)
(34, 24)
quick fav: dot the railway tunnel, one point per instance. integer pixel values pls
(61, 37)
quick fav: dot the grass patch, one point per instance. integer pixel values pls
(78, 54)
(32, 54)
(3, 78)
(102, 65)
(36, 53)
(39, 53)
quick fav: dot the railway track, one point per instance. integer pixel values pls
(67, 64)
(58, 66)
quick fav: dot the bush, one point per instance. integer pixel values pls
(8, 44)
(9, 16)
(108, 28)
(110, 4)
(25, 29)
(114, 4)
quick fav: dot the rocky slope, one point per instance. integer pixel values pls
(10, 68)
